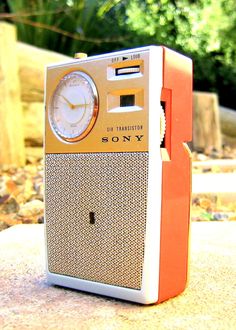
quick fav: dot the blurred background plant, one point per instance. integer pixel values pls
(203, 29)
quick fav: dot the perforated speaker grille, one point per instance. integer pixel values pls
(111, 190)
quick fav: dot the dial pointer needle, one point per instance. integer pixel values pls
(72, 106)
(81, 105)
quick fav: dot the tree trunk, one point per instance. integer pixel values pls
(12, 149)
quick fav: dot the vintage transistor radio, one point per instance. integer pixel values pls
(118, 173)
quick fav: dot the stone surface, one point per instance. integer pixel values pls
(214, 190)
(32, 63)
(224, 183)
(35, 207)
(228, 121)
(34, 154)
(33, 123)
(28, 302)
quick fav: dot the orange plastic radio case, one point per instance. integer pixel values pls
(118, 173)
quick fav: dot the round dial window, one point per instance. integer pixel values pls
(74, 107)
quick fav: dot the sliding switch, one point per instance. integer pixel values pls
(127, 70)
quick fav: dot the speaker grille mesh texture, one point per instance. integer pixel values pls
(114, 187)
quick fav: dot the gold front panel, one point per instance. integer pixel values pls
(113, 131)
(113, 188)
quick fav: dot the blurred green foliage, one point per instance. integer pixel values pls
(202, 29)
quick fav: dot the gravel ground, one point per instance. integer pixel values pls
(214, 206)
(21, 194)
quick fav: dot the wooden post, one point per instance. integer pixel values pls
(12, 150)
(206, 122)
(32, 62)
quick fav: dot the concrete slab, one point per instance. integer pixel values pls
(221, 164)
(28, 302)
(214, 183)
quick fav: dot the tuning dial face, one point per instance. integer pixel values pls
(74, 107)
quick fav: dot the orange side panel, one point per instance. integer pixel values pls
(176, 176)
